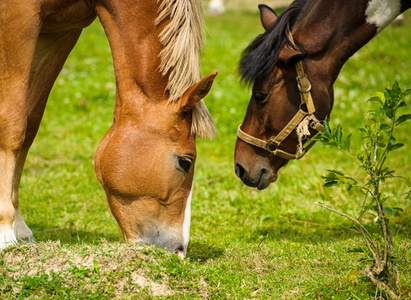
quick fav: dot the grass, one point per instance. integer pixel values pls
(244, 243)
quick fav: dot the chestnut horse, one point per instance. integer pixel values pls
(292, 67)
(145, 161)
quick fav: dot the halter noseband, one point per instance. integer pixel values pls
(301, 119)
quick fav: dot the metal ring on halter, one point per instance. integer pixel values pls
(299, 85)
(269, 144)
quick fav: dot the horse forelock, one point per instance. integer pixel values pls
(260, 57)
(182, 40)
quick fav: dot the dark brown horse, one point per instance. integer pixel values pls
(145, 162)
(310, 41)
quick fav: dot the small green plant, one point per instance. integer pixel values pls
(378, 142)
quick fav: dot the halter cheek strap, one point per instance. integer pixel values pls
(303, 118)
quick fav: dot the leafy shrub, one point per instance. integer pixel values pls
(378, 142)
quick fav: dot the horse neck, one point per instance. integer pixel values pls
(331, 31)
(135, 46)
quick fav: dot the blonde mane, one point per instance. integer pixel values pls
(182, 40)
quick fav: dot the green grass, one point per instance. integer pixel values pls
(244, 243)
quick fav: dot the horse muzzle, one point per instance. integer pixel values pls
(168, 239)
(259, 177)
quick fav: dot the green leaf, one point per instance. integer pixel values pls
(390, 114)
(384, 127)
(388, 210)
(370, 207)
(338, 134)
(395, 91)
(380, 144)
(381, 96)
(324, 198)
(327, 129)
(386, 171)
(372, 112)
(375, 99)
(347, 142)
(403, 118)
(330, 183)
(395, 146)
(398, 208)
(336, 172)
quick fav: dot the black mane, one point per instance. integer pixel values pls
(260, 57)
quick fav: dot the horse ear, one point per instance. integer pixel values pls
(197, 92)
(267, 15)
(290, 56)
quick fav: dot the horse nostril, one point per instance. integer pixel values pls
(240, 171)
(180, 252)
(263, 171)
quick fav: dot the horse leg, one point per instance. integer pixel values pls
(50, 54)
(18, 36)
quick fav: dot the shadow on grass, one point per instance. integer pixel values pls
(314, 233)
(68, 235)
(302, 234)
(201, 253)
(301, 231)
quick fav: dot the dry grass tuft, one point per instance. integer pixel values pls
(123, 267)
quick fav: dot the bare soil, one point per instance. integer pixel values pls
(122, 266)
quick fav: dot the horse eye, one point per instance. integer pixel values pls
(185, 163)
(260, 97)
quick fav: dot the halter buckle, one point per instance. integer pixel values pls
(300, 88)
(270, 144)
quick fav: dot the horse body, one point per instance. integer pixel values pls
(325, 33)
(145, 161)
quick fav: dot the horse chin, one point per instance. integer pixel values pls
(265, 181)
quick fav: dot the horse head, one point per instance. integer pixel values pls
(292, 67)
(145, 162)
(288, 100)
(146, 166)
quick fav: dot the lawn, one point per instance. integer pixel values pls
(244, 243)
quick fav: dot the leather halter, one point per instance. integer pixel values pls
(273, 145)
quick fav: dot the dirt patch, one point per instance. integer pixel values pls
(122, 267)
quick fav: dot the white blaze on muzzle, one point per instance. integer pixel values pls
(187, 221)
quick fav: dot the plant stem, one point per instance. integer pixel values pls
(368, 238)
(380, 284)
(362, 207)
(394, 263)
